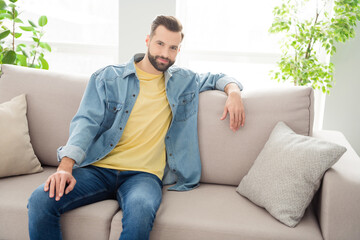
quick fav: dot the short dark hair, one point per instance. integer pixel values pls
(169, 22)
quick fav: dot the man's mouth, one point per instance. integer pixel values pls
(163, 60)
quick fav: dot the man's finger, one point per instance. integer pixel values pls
(237, 120)
(61, 187)
(57, 184)
(232, 121)
(71, 186)
(224, 113)
(52, 187)
(46, 185)
(242, 118)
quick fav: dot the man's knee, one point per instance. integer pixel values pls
(39, 200)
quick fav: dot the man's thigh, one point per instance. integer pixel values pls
(140, 188)
(93, 184)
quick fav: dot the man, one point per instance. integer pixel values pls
(135, 130)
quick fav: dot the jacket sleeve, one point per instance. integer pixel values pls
(210, 81)
(86, 123)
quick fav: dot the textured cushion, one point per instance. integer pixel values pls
(16, 153)
(288, 172)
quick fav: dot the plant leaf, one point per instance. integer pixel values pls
(6, 15)
(20, 46)
(42, 21)
(9, 57)
(32, 24)
(4, 34)
(25, 28)
(44, 63)
(2, 4)
(45, 46)
(18, 20)
(21, 59)
(17, 35)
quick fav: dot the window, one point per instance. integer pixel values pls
(83, 34)
(230, 36)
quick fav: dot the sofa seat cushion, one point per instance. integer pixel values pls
(219, 212)
(88, 222)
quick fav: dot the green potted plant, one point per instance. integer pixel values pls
(12, 51)
(305, 38)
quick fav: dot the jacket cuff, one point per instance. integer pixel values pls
(222, 82)
(71, 151)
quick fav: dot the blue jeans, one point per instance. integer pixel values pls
(139, 196)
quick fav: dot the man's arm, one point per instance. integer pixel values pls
(56, 183)
(234, 107)
(232, 88)
(86, 122)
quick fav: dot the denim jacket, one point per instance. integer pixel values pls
(106, 106)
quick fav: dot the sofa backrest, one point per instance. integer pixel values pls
(227, 156)
(52, 100)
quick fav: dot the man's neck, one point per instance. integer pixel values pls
(146, 66)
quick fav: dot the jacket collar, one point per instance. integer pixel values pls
(130, 67)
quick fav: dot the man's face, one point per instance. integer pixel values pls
(163, 47)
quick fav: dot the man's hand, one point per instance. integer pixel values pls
(56, 183)
(234, 107)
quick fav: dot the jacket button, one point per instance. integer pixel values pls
(167, 137)
(173, 105)
(114, 108)
(111, 145)
(121, 128)
(170, 154)
(127, 111)
(133, 95)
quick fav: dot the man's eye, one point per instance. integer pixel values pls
(160, 43)
(174, 48)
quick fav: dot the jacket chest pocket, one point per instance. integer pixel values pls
(186, 106)
(112, 108)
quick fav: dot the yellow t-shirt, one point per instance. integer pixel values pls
(142, 145)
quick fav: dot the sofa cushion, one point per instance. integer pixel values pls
(53, 99)
(212, 212)
(288, 172)
(88, 222)
(227, 156)
(16, 152)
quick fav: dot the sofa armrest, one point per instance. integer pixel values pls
(339, 197)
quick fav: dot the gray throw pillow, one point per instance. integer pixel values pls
(288, 172)
(16, 152)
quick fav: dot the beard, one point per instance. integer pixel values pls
(162, 67)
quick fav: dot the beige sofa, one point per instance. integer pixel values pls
(212, 211)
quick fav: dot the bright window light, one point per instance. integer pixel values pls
(83, 34)
(230, 36)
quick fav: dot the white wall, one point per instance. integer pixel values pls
(342, 109)
(135, 18)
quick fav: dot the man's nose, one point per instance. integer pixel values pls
(165, 53)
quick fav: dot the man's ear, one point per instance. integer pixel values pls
(147, 40)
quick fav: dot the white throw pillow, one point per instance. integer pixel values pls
(16, 153)
(288, 172)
